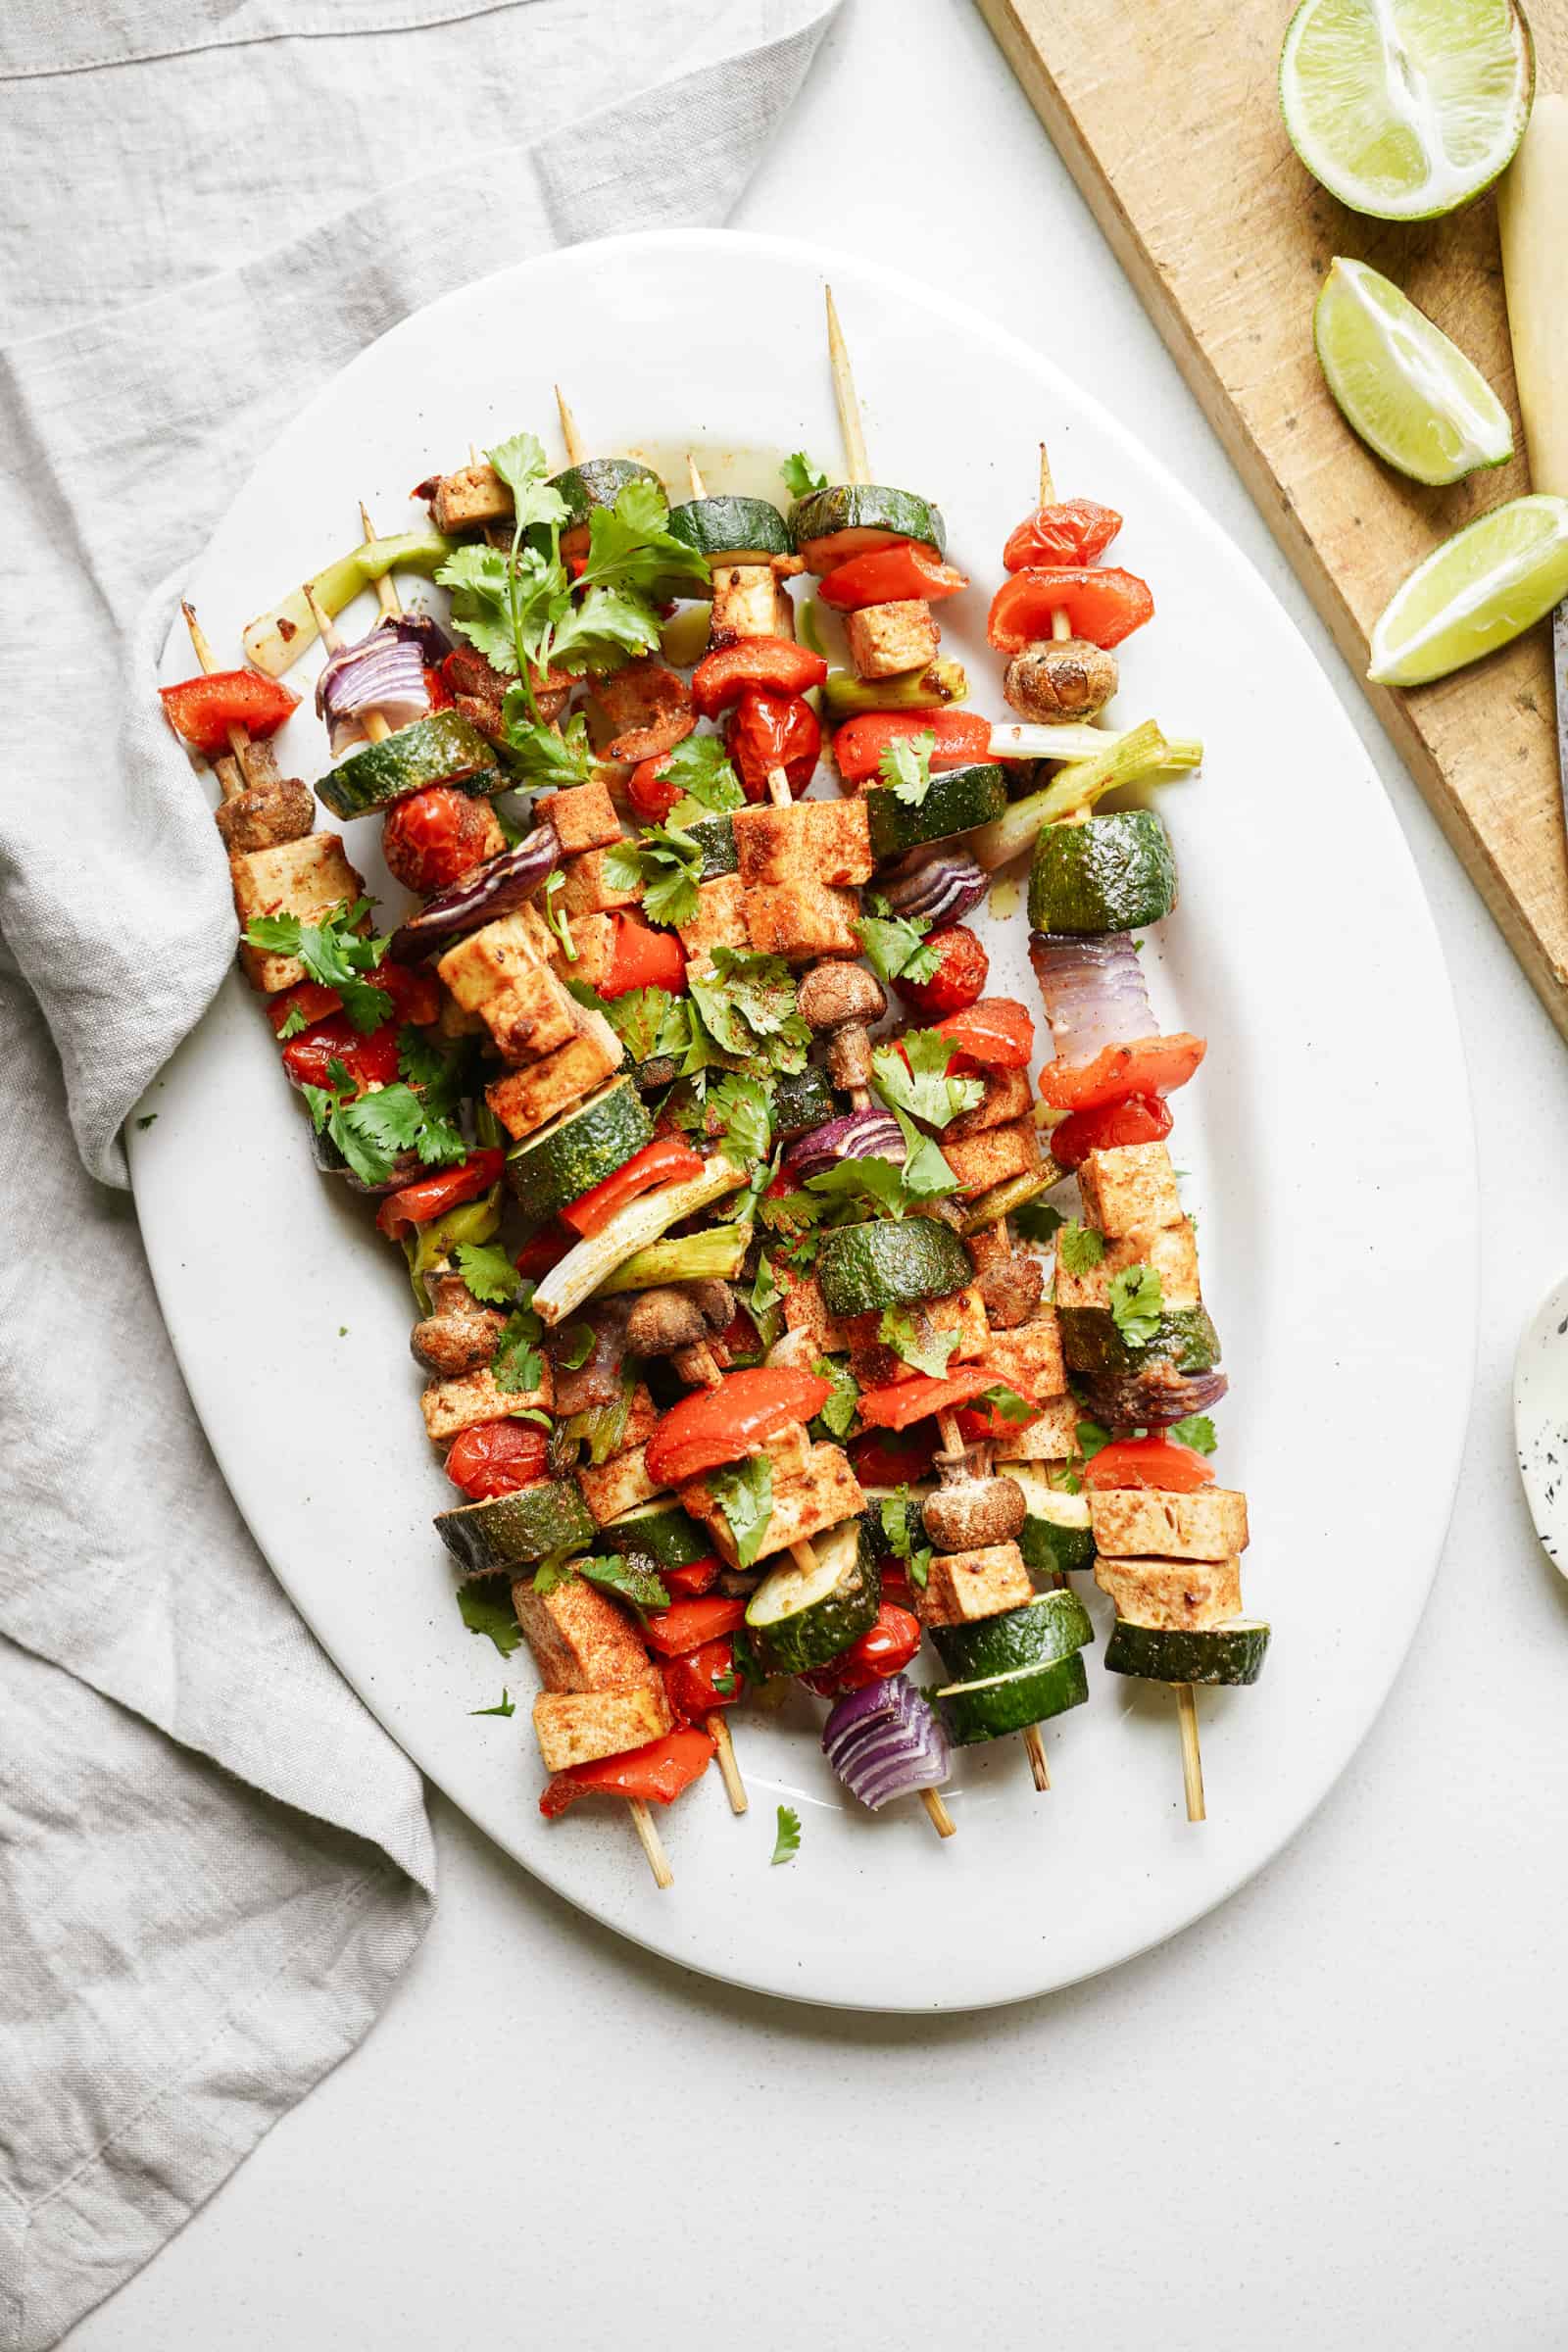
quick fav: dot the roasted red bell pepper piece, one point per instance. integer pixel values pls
(657, 1773)
(1075, 530)
(309, 999)
(696, 1577)
(1135, 1119)
(890, 576)
(858, 745)
(201, 710)
(702, 1680)
(978, 1424)
(688, 1624)
(765, 731)
(544, 1249)
(720, 1424)
(910, 1401)
(1149, 1066)
(641, 957)
(1158, 1462)
(883, 1458)
(497, 1458)
(415, 993)
(994, 1033)
(433, 1196)
(369, 1060)
(662, 1162)
(1103, 605)
(775, 663)
(885, 1648)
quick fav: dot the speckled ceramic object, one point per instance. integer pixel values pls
(1541, 1421)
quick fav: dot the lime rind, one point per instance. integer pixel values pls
(1400, 383)
(1406, 108)
(1478, 591)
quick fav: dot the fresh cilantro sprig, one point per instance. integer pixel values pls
(666, 866)
(543, 757)
(838, 1413)
(787, 1841)
(1036, 1221)
(1137, 1299)
(517, 1365)
(1079, 1247)
(746, 1006)
(1092, 1438)
(743, 1492)
(336, 953)
(1196, 1430)
(485, 1611)
(703, 778)
(914, 1342)
(629, 1580)
(911, 1075)
(800, 476)
(372, 1131)
(556, 915)
(765, 1302)
(894, 945)
(897, 1517)
(740, 1112)
(489, 1272)
(905, 767)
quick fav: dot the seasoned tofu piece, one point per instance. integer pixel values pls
(719, 922)
(544, 942)
(1130, 1189)
(801, 920)
(1172, 1251)
(304, 877)
(1178, 1595)
(963, 1585)
(586, 890)
(990, 1157)
(1007, 1097)
(451, 1406)
(807, 1501)
(525, 1098)
(453, 1022)
(1135, 1521)
(877, 1367)
(585, 816)
(495, 973)
(749, 600)
(1028, 1359)
(578, 1727)
(810, 841)
(805, 1309)
(473, 495)
(885, 639)
(1050, 1439)
(580, 1638)
(594, 937)
(616, 1485)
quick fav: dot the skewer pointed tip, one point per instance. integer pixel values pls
(1192, 1753)
(652, 1844)
(569, 430)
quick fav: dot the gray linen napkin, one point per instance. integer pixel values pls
(213, 1862)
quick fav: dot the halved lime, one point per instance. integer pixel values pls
(1406, 108)
(1476, 592)
(1410, 393)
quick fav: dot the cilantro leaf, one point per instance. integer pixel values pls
(744, 1116)
(372, 1130)
(905, 767)
(508, 1706)
(801, 477)
(1136, 1302)
(599, 630)
(896, 945)
(1079, 1247)
(873, 1180)
(911, 1075)
(743, 1492)
(556, 917)
(747, 1005)
(1092, 1438)
(649, 1022)
(666, 866)
(838, 1415)
(630, 547)
(708, 785)
(517, 1366)
(544, 757)
(522, 465)
(765, 1302)
(1036, 1221)
(926, 1174)
(480, 578)
(1008, 1403)
(575, 1343)
(1195, 1431)
(336, 953)
(787, 1843)
(488, 1272)
(914, 1340)
(628, 1580)
(897, 1525)
(484, 1611)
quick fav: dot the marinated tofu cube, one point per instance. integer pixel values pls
(450, 1406)
(876, 1366)
(802, 920)
(719, 922)
(1183, 1595)
(1130, 1189)
(593, 937)
(452, 1021)
(1050, 1438)
(580, 1638)
(1135, 1521)
(807, 1501)
(980, 1161)
(885, 639)
(526, 1098)
(616, 1485)
(805, 1309)
(749, 600)
(579, 1727)
(1028, 1359)
(473, 495)
(586, 889)
(304, 877)
(541, 939)
(495, 973)
(1007, 1097)
(585, 816)
(1172, 1251)
(811, 841)
(963, 1585)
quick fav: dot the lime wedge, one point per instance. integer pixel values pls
(1476, 592)
(1410, 393)
(1406, 108)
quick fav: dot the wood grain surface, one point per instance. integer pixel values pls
(1168, 119)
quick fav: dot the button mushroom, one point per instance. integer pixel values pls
(839, 1001)
(967, 1513)
(1068, 678)
(684, 1324)
(459, 1335)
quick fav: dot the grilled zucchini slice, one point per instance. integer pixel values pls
(508, 1532)
(1231, 1653)
(442, 748)
(578, 1149)
(1110, 873)
(959, 800)
(863, 1268)
(800, 1619)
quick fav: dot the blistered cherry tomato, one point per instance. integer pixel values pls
(435, 836)
(960, 979)
(765, 731)
(371, 1060)
(1135, 1119)
(497, 1458)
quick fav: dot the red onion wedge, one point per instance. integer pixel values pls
(1151, 1398)
(498, 887)
(384, 671)
(885, 1743)
(1094, 992)
(858, 1135)
(940, 886)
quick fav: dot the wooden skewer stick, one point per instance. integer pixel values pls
(851, 427)
(239, 738)
(652, 1844)
(1192, 1754)
(717, 1731)
(373, 721)
(387, 595)
(575, 452)
(1060, 626)
(694, 477)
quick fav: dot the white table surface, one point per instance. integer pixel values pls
(1326, 2117)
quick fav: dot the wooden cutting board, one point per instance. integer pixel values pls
(1168, 119)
